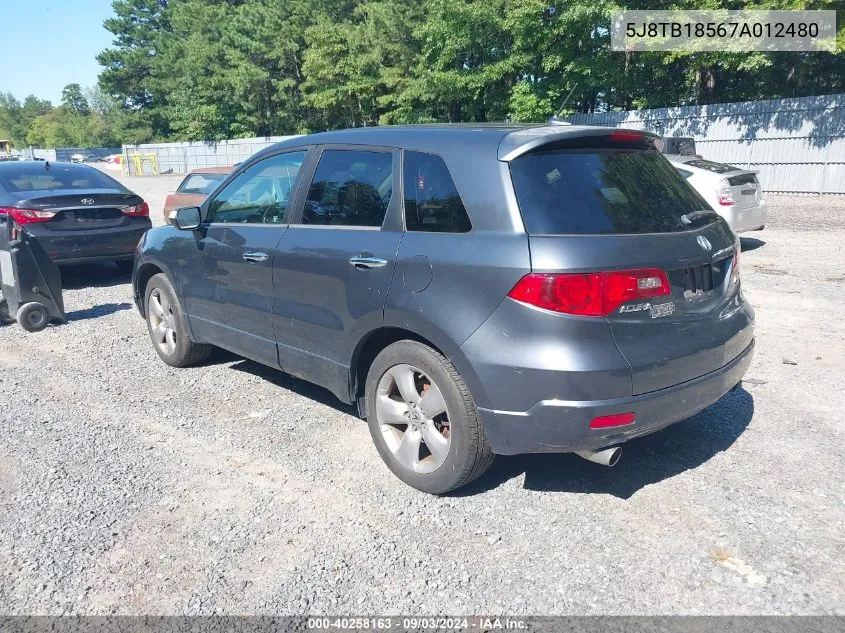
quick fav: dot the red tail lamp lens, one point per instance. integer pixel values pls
(589, 294)
(138, 211)
(27, 216)
(626, 136)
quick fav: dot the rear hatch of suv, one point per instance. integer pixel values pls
(611, 220)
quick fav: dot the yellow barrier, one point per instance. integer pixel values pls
(138, 161)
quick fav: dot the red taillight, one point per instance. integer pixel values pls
(27, 216)
(626, 136)
(724, 194)
(619, 419)
(138, 211)
(590, 294)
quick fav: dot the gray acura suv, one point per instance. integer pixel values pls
(474, 290)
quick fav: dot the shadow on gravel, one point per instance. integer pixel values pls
(286, 381)
(97, 311)
(100, 275)
(644, 461)
(750, 243)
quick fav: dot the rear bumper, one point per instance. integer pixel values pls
(748, 219)
(559, 426)
(68, 247)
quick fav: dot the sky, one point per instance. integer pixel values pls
(47, 44)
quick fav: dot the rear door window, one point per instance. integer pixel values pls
(200, 184)
(350, 188)
(432, 202)
(601, 191)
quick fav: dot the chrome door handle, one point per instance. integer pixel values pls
(366, 263)
(255, 257)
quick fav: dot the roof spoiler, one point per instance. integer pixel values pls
(520, 142)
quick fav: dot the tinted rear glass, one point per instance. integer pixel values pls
(24, 177)
(709, 165)
(201, 184)
(601, 191)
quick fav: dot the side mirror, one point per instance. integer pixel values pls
(187, 218)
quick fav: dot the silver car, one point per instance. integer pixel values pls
(734, 193)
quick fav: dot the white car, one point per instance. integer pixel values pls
(734, 193)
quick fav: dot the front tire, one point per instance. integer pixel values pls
(167, 325)
(33, 316)
(423, 420)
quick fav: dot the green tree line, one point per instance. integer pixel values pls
(215, 69)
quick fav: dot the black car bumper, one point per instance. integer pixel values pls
(70, 247)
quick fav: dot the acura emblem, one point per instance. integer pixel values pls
(87, 201)
(704, 243)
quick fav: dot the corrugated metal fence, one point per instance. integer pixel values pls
(180, 158)
(798, 145)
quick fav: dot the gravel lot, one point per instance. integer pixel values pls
(130, 487)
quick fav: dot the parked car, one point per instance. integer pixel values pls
(78, 158)
(734, 193)
(77, 213)
(473, 290)
(195, 188)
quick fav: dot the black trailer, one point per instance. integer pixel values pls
(30, 282)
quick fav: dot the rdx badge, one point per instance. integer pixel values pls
(659, 310)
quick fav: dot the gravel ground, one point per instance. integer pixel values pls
(130, 487)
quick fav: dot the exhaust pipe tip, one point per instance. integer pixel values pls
(608, 457)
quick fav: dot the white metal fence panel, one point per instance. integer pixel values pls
(181, 158)
(798, 145)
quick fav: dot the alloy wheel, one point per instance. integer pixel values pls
(162, 322)
(413, 418)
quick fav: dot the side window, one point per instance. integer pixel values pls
(432, 202)
(259, 195)
(200, 184)
(350, 188)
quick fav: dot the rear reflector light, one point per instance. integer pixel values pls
(619, 419)
(590, 294)
(138, 211)
(27, 216)
(724, 194)
(626, 136)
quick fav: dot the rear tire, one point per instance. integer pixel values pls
(33, 316)
(167, 325)
(423, 419)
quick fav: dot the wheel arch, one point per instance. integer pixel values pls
(145, 272)
(372, 344)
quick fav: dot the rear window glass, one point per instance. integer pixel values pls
(709, 165)
(432, 202)
(25, 177)
(601, 191)
(201, 184)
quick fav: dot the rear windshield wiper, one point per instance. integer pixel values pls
(689, 218)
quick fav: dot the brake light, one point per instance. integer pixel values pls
(27, 216)
(607, 421)
(626, 136)
(589, 294)
(138, 211)
(724, 193)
